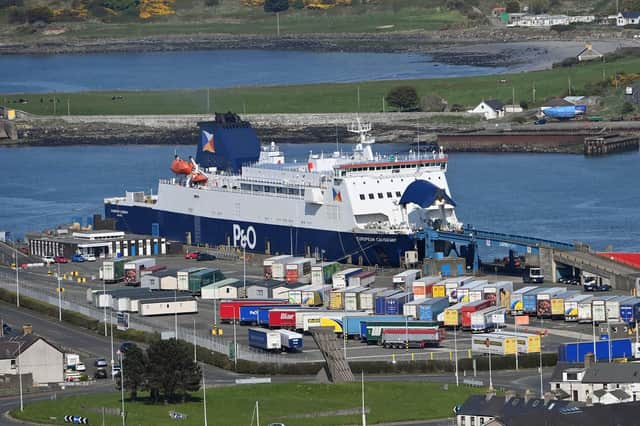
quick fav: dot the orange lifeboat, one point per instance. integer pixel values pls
(199, 178)
(181, 167)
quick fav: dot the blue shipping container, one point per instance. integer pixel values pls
(394, 304)
(352, 324)
(575, 352)
(257, 339)
(430, 310)
(629, 311)
(530, 301)
(249, 313)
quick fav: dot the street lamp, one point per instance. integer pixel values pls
(122, 387)
(15, 254)
(59, 296)
(455, 351)
(20, 374)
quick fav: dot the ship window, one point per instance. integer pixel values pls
(258, 188)
(380, 195)
(389, 195)
(245, 186)
(398, 194)
(268, 189)
(279, 190)
(362, 196)
(371, 197)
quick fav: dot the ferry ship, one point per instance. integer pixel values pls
(357, 207)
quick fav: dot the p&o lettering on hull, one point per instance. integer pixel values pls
(245, 238)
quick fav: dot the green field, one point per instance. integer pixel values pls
(287, 403)
(323, 98)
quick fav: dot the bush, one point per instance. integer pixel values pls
(211, 3)
(432, 103)
(626, 108)
(39, 14)
(598, 88)
(276, 5)
(569, 62)
(524, 105)
(403, 98)
(17, 15)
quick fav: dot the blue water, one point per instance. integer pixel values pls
(553, 196)
(216, 68)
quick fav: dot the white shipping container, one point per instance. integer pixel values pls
(411, 309)
(363, 279)
(167, 307)
(584, 311)
(406, 278)
(168, 283)
(368, 299)
(341, 278)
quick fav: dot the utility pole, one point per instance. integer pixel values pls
(68, 106)
(15, 247)
(59, 296)
(122, 388)
(204, 399)
(534, 92)
(208, 104)
(20, 375)
(195, 352)
(358, 96)
(455, 350)
(364, 414)
(175, 315)
(513, 96)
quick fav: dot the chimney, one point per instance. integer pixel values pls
(588, 360)
(548, 397)
(490, 394)
(528, 396)
(27, 329)
(509, 395)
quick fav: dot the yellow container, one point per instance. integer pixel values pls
(335, 301)
(439, 290)
(330, 322)
(557, 307)
(451, 317)
(11, 114)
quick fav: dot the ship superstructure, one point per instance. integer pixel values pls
(358, 207)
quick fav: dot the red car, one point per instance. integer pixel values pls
(193, 255)
(60, 259)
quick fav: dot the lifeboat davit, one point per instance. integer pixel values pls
(181, 167)
(199, 178)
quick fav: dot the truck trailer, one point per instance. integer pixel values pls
(603, 350)
(261, 338)
(401, 338)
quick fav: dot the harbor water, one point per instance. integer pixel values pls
(552, 196)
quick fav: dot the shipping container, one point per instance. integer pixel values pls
(599, 309)
(526, 343)
(352, 298)
(412, 309)
(499, 291)
(341, 278)
(363, 279)
(494, 343)
(488, 319)
(336, 299)
(471, 307)
(261, 338)
(404, 279)
(423, 287)
(282, 291)
(380, 298)
(557, 303)
(249, 313)
(585, 312)
(450, 317)
(477, 293)
(430, 310)
(283, 318)
(113, 270)
(372, 330)
(183, 277)
(314, 295)
(368, 298)
(393, 304)
(543, 301)
(613, 307)
(132, 270)
(323, 273)
(530, 301)
(516, 303)
(229, 310)
(449, 287)
(629, 310)
(279, 269)
(603, 350)
(353, 324)
(291, 341)
(462, 293)
(297, 269)
(309, 320)
(571, 306)
(267, 264)
(405, 338)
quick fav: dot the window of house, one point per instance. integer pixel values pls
(481, 420)
(380, 195)
(389, 195)
(572, 376)
(13, 364)
(398, 194)
(371, 197)
(362, 196)
(604, 386)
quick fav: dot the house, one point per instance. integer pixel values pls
(596, 415)
(262, 289)
(628, 18)
(601, 383)
(31, 354)
(491, 109)
(589, 54)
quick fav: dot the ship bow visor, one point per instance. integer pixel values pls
(424, 194)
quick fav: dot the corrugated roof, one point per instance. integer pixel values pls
(612, 373)
(10, 347)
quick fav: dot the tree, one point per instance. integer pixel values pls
(627, 108)
(538, 6)
(276, 6)
(512, 6)
(432, 103)
(171, 370)
(135, 366)
(404, 98)
(39, 13)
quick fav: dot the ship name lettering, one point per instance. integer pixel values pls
(245, 238)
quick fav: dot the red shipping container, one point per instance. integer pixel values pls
(282, 318)
(230, 309)
(472, 307)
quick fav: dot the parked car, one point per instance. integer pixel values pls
(115, 370)
(77, 258)
(72, 376)
(125, 346)
(540, 121)
(205, 256)
(60, 259)
(193, 255)
(89, 258)
(100, 373)
(5, 328)
(101, 362)
(81, 367)
(48, 260)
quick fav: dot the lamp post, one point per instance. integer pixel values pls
(455, 351)
(15, 248)
(59, 296)
(122, 387)
(20, 374)
(204, 398)
(364, 414)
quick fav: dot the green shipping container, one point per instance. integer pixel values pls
(199, 279)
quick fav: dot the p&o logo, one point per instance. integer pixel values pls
(244, 238)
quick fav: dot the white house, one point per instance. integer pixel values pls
(491, 109)
(628, 18)
(601, 383)
(29, 354)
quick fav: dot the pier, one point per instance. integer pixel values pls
(610, 143)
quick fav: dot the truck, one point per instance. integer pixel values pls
(603, 350)
(470, 308)
(291, 341)
(341, 278)
(113, 270)
(352, 298)
(494, 343)
(526, 343)
(261, 338)
(599, 309)
(229, 310)
(133, 269)
(488, 319)
(404, 279)
(591, 282)
(298, 269)
(516, 300)
(353, 324)
(249, 313)
(585, 312)
(629, 310)
(530, 301)
(401, 338)
(450, 317)
(380, 306)
(323, 273)
(449, 287)
(71, 360)
(499, 291)
(430, 310)
(612, 307)
(362, 279)
(477, 293)
(423, 287)
(368, 298)
(462, 293)
(543, 301)
(557, 303)
(393, 304)
(571, 306)
(267, 264)
(372, 330)
(412, 309)
(336, 299)
(532, 274)
(183, 277)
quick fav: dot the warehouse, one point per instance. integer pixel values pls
(168, 306)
